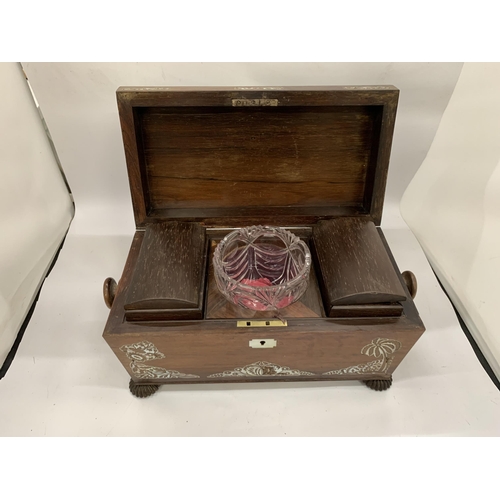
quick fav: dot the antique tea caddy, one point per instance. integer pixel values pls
(204, 162)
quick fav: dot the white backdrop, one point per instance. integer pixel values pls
(35, 206)
(65, 379)
(453, 204)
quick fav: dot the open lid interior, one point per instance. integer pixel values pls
(224, 156)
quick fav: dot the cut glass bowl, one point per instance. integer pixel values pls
(263, 268)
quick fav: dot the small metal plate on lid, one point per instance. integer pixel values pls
(255, 102)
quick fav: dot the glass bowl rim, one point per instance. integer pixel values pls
(304, 271)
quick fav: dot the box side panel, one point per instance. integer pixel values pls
(354, 354)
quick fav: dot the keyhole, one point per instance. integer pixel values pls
(262, 342)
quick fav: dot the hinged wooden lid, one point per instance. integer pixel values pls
(238, 156)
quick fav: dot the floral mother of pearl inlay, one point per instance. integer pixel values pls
(261, 369)
(382, 349)
(140, 352)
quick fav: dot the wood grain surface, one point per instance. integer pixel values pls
(169, 277)
(233, 157)
(192, 156)
(354, 268)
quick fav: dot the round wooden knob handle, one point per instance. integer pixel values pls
(109, 291)
(411, 283)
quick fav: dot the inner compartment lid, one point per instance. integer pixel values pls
(225, 156)
(168, 281)
(356, 273)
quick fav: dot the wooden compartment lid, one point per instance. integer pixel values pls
(169, 277)
(237, 156)
(357, 277)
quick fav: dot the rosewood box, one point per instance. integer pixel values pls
(204, 161)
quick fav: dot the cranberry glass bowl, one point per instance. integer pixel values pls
(263, 268)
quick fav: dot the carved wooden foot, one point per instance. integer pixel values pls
(109, 291)
(142, 391)
(378, 385)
